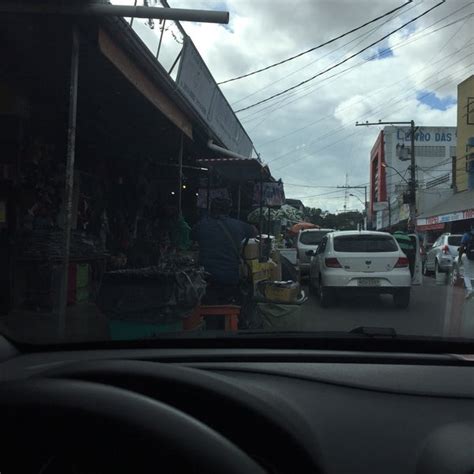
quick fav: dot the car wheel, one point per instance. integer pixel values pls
(401, 298)
(426, 272)
(325, 295)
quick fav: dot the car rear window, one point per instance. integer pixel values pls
(365, 243)
(454, 240)
(313, 237)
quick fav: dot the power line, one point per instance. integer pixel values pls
(312, 88)
(375, 92)
(343, 61)
(315, 47)
(364, 36)
(343, 128)
(417, 72)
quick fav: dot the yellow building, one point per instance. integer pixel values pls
(465, 131)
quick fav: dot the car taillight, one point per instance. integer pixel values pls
(332, 263)
(402, 262)
(445, 249)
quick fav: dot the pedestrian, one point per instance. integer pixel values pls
(467, 260)
(219, 238)
(408, 247)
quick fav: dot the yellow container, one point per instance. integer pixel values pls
(282, 292)
(251, 250)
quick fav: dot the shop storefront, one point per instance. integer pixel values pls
(98, 182)
(455, 215)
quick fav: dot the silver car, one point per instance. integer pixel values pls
(307, 244)
(440, 257)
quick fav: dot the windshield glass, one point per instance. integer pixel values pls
(454, 240)
(312, 237)
(365, 243)
(160, 178)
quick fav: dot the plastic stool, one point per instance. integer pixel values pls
(230, 313)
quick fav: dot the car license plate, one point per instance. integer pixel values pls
(368, 282)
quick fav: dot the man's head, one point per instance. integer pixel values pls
(220, 207)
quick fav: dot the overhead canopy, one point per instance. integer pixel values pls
(238, 169)
(458, 207)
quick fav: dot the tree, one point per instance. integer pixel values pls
(342, 221)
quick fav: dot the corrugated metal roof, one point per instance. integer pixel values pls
(458, 202)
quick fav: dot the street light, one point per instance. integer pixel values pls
(360, 200)
(365, 209)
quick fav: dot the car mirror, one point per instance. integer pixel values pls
(310, 253)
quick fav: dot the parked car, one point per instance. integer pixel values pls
(365, 262)
(441, 256)
(306, 244)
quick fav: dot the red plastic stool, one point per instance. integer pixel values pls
(230, 313)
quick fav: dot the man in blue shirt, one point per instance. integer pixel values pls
(220, 238)
(467, 264)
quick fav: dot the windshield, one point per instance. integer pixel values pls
(179, 177)
(365, 244)
(454, 240)
(312, 237)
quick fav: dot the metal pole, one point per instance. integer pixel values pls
(412, 177)
(365, 208)
(131, 19)
(208, 197)
(98, 9)
(260, 225)
(161, 38)
(180, 177)
(238, 200)
(389, 214)
(69, 184)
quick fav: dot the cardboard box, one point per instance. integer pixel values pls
(251, 250)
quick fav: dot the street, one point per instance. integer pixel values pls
(434, 310)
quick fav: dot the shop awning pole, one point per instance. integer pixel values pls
(238, 200)
(208, 196)
(180, 172)
(103, 9)
(69, 183)
(260, 219)
(161, 39)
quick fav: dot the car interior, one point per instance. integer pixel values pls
(366, 403)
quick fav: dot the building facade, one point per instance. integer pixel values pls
(456, 214)
(465, 149)
(435, 151)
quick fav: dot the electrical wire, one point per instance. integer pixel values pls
(417, 72)
(364, 36)
(383, 38)
(314, 48)
(394, 47)
(343, 128)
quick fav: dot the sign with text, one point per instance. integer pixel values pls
(451, 217)
(196, 83)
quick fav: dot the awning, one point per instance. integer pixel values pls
(238, 169)
(427, 227)
(458, 207)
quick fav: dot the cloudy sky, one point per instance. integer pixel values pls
(308, 136)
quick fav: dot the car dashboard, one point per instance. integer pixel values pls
(321, 411)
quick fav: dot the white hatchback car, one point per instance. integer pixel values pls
(364, 262)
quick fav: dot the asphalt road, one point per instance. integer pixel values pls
(435, 310)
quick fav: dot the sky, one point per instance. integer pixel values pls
(308, 136)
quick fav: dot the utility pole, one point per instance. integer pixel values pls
(347, 187)
(412, 183)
